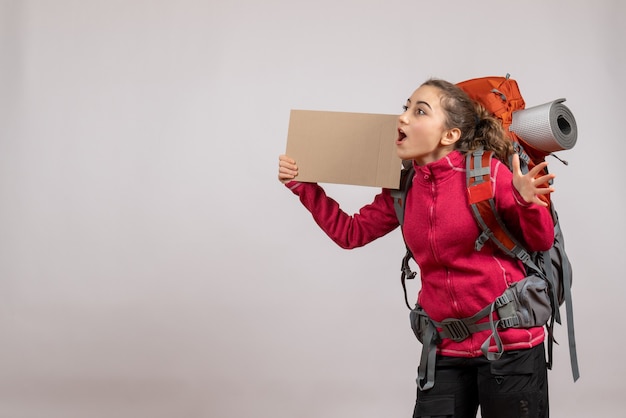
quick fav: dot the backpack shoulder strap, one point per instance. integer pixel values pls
(482, 203)
(399, 202)
(399, 195)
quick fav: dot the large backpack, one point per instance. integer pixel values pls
(501, 96)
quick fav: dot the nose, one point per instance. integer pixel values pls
(403, 119)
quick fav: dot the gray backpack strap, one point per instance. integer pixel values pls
(561, 286)
(426, 368)
(399, 202)
(569, 313)
(407, 274)
(399, 195)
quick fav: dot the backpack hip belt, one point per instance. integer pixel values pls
(525, 304)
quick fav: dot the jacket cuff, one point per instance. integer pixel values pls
(519, 199)
(293, 185)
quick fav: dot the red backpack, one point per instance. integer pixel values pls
(502, 97)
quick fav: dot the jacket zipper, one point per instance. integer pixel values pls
(432, 239)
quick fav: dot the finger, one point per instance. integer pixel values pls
(287, 171)
(285, 177)
(515, 165)
(544, 190)
(286, 159)
(538, 168)
(286, 174)
(288, 166)
(544, 179)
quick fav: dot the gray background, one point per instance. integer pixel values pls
(151, 265)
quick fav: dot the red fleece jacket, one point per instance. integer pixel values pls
(440, 230)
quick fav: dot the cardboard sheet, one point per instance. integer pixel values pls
(344, 148)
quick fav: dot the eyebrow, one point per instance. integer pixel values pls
(420, 102)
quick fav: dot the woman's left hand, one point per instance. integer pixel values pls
(529, 187)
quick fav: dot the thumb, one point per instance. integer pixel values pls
(515, 164)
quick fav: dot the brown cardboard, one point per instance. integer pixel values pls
(344, 148)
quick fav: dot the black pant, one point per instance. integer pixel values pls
(515, 386)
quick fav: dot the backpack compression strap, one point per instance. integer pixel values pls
(566, 285)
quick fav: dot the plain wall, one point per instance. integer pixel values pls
(151, 265)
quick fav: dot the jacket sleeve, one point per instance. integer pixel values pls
(348, 231)
(530, 223)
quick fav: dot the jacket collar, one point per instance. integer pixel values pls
(441, 169)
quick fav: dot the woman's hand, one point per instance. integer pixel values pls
(529, 187)
(287, 169)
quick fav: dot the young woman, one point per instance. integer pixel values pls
(440, 124)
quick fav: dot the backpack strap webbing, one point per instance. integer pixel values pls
(407, 274)
(571, 338)
(399, 195)
(399, 202)
(566, 287)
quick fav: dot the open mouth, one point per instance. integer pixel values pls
(401, 135)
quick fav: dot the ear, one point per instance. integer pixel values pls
(450, 136)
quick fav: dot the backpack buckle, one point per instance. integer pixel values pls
(455, 329)
(511, 322)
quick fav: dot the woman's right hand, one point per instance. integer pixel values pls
(287, 169)
(532, 190)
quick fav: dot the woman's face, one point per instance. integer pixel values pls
(422, 135)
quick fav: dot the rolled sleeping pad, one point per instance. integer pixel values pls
(548, 127)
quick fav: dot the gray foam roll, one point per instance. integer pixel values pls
(548, 127)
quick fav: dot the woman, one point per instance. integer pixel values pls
(440, 124)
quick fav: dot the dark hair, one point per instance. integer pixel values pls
(477, 125)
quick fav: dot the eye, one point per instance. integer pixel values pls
(405, 108)
(420, 112)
